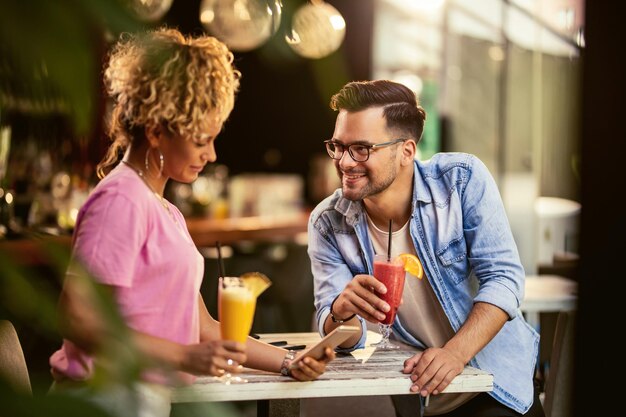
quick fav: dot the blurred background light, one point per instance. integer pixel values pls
(496, 53)
(241, 24)
(409, 79)
(150, 10)
(417, 6)
(317, 30)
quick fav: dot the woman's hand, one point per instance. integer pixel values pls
(308, 369)
(213, 357)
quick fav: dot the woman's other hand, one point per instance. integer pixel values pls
(213, 357)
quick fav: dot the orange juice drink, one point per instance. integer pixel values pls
(236, 312)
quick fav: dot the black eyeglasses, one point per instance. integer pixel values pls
(357, 151)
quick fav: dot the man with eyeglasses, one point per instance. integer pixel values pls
(447, 211)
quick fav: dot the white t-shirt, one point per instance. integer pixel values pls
(420, 313)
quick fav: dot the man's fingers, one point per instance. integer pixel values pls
(359, 298)
(365, 302)
(372, 297)
(444, 383)
(368, 281)
(429, 379)
(410, 363)
(367, 310)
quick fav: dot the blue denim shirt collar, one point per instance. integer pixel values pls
(352, 210)
(420, 188)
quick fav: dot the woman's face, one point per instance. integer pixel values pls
(184, 158)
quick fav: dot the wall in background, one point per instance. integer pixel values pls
(281, 115)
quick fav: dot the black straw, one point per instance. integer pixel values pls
(220, 261)
(389, 242)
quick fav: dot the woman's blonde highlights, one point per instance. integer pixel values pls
(163, 77)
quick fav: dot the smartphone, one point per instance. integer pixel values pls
(331, 340)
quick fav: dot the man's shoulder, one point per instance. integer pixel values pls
(445, 172)
(452, 165)
(445, 161)
(326, 205)
(335, 214)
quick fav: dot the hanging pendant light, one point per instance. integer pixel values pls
(241, 24)
(317, 30)
(150, 10)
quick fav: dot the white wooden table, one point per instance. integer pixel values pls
(363, 372)
(548, 294)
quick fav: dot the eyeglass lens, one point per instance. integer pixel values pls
(358, 152)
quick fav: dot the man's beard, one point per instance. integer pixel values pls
(370, 188)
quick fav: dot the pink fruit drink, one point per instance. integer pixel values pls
(392, 275)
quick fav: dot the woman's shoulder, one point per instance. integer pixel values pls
(121, 184)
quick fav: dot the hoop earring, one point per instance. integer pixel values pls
(147, 161)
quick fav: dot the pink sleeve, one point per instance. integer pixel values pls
(109, 238)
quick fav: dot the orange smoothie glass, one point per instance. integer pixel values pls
(391, 273)
(236, 305)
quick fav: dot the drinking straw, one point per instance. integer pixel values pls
(389, 242)
(220, 261)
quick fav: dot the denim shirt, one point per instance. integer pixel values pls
(462, 236)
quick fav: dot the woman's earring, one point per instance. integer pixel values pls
(160, 163)
(147, 161)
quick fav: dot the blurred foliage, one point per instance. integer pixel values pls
(32, 305)
(19, 404)
(50, 55)
(27, 298)
(29, 303)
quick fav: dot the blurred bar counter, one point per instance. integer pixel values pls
(36, 249)
(287, 228)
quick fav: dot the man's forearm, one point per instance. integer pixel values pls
(483, 323)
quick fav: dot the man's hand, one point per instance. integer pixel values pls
(432, 370)
(359, 297)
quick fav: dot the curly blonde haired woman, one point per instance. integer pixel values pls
(172, 95)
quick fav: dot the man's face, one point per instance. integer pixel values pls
(360, 180)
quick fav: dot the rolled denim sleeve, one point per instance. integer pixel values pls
(492, 250)
(330, 273)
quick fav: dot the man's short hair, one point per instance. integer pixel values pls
(400, 105)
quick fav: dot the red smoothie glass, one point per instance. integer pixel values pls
(391, 273)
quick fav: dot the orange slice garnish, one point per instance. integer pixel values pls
(412, 264)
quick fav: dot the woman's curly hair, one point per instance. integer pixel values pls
(163, 77)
